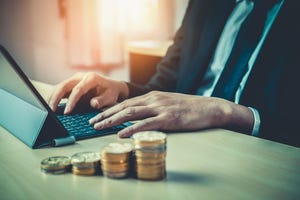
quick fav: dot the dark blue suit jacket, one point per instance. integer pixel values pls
(272, 87)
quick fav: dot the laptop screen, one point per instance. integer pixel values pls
(14, 81)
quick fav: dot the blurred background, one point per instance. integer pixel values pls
(53, 39)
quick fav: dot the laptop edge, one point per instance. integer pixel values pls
(47, 129)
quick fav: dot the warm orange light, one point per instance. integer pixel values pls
(129, 16)
(142, 15)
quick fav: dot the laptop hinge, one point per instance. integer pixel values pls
(63, 141)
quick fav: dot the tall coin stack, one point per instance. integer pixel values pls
(85, 163)
(150, 155)
(115, 160)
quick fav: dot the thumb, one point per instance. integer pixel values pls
(95, 102)
(102, 101)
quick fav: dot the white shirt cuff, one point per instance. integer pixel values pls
(256, 125)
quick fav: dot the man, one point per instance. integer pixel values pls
(232, 65)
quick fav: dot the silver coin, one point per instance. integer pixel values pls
(149, 136)
(55, 162)
(85, 157)
(117, 148)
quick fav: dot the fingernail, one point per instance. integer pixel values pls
(91, 121)
(98, 126)
(123, 135)
(67, 109)
(95, 103)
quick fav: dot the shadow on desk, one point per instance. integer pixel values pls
(188, 178)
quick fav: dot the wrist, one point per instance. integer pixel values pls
(222, 114)
(234, 117)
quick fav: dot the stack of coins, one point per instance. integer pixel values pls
(85, 163)
(56, 164)
(115, 160)
(150, 155)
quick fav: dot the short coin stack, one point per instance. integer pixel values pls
(56, 164)
(115, 160)
(150, 155)
(85, 163)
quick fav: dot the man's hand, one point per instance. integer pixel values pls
(105, 91)
(175, 112)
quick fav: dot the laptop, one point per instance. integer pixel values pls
(26, 115)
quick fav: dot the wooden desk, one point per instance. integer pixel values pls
(213, 164)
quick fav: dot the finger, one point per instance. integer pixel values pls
(106, 99)
(55, 98)
(153, 123)
(77, 92)
(136, 101)
(60, 91)
(105, 114)
(129, 114)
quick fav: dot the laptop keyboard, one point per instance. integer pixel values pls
(78, 125)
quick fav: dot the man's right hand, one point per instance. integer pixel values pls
(106, 92)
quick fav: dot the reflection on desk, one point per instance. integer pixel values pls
(211, 164)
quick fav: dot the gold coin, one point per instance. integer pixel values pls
(157, 173)
(150, 161)
(84, 172)
(114, 161)
(153, 148)
(109, 164)
(141, 154)
(56, 171)
(150, 169)
(117, 152)
(115, 175)
(84, 159)
(149, 138)
(117, 148)
(151, 177)
(86, 165)
(55, 163)
(118, 158)
(115, 168)
(154, 172)
(149, 144)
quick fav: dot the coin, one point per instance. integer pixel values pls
(140, 161)
(115, 167)
(85, 157)
(85, 172)
(117, 148)
(151, 148)
(85, 163)
(55, 164)
(115, 161)
(115, 158)
(151, 177)
(141, 154)
(150, 155)
(149, 138)
(115, 175)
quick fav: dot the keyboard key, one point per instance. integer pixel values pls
(79, 126)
